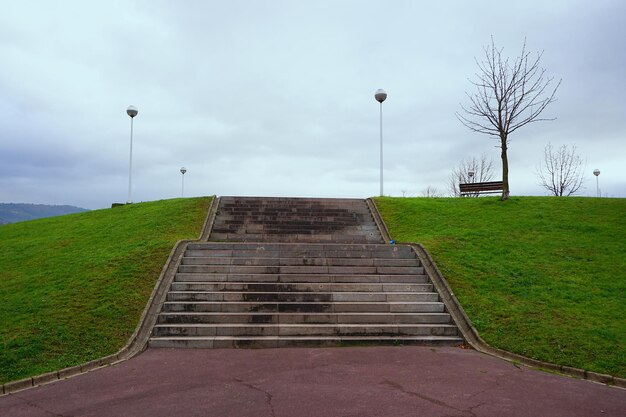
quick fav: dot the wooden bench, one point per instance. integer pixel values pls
(476, 188)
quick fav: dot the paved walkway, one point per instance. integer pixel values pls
(363, 381)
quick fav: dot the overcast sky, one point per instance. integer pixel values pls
(276, 98)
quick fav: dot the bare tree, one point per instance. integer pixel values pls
(561, 172)
(481, 169)
(431, 191)
(508, 96)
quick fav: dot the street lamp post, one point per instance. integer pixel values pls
(596, 172)
(182, 189)
(381, 96)
(471, 175)
(132, 112)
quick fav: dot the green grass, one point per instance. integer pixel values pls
(72, 288)
(544, 277)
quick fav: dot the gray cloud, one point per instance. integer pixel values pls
(276, 98)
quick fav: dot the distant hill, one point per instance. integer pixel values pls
(12, 212)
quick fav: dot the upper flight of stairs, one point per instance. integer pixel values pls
(255, 292)
(255, 219)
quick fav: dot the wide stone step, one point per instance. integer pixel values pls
(302, 200)
(296, 222)
(343, 230)
(291, 206)
(305, 307)
(248, 296)
(301, 269)
(310, 219)
(292, 209)
(310, 278)
(290, 247)
(262, 252)
(278, 215)
(299, 287)
(298, 261)
(330, 234)
(346, 229)
(295, 238)
(244, 329)
(294, 341)
(300, 318)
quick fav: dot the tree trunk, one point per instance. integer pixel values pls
(505, 169)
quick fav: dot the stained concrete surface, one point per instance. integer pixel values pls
(356, 381)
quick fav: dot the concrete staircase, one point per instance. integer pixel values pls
(255, 219)
(269, 294)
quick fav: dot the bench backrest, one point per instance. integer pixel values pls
(492, 186)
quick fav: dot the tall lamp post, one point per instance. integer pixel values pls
(596, 172)
(471, 175)
(380, 96)
(182, 189)
(132, 112)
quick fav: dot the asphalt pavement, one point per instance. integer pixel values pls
(349, 382)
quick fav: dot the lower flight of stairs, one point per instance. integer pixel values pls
(301, 294)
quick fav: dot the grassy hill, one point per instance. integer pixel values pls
(72, 288)
(544, 277)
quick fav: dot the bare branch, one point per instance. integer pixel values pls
(481, 167)
(562, 171)
(431, 191)
(507, 95)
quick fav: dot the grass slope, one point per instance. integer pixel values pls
(544, 277)
(72, 288)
